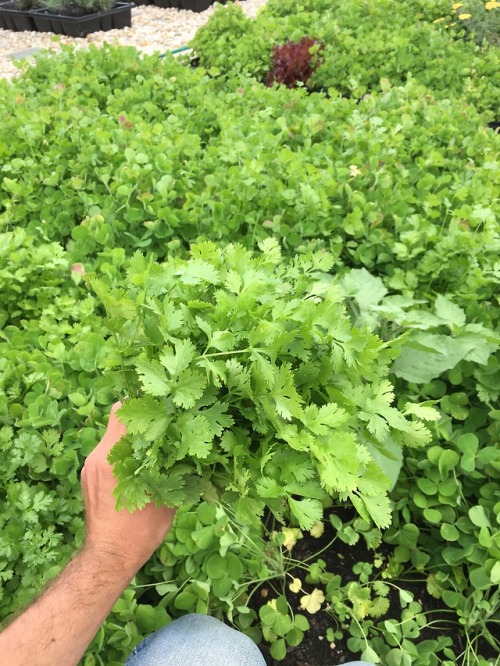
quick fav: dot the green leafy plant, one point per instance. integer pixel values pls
(260, 391)
(364, 43)
(77, 7)
(26, 5)
(280, 627)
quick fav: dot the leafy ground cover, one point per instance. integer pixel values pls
(361, 300)
(364, 43)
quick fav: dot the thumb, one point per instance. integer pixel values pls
(114, 430)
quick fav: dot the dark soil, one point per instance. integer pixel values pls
(314, 650)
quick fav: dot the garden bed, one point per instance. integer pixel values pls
(328, 384)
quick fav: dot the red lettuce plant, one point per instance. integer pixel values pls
(293, 62)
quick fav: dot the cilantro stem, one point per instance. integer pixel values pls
(130, 392)
(227, 353)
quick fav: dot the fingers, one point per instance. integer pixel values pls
(114, 431)
(115, 408)
(114, 424)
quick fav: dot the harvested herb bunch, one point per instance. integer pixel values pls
(249, 384)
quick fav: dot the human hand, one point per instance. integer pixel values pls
(129, 539)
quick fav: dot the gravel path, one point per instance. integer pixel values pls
(153, 29)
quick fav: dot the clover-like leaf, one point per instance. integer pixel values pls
(312, 602)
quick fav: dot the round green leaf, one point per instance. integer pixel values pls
(203, 537)
(468, 443)
(150, 619)
(215, 566)
(478, 516)
(495, 573)
(234, 567)
(385, 181)
(405, 597)
(301, 622)
(452, 599)
(398, 657)
(427, 486)
(370, 655)
(420, 500)
(282, 624)
(186, 601)
(206, 513)
(294, 637)
(432, 515)
(267, 614)
(485, 538)
(221, 587)
(479, 578)
(409, 536)
(453, 556)
(449, 487)
(278, 649)
(448, 460)
(449, 532)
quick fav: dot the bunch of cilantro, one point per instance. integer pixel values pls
(248, 384)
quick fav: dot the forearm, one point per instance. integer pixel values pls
(58, 627)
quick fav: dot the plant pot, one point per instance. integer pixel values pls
(191, 5)
(196, 5)
(15, 19)
(167, 4)
(79, 26)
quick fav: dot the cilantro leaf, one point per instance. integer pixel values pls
(188, 388)
(197, 271)
(217, 418)
(286, 399)
(376, 508)
(320, 420)
(145, 416)
(175, 361)
(196, 435)
(306, 511)
(152, 377)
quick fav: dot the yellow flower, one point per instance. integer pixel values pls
(492, 5)
(439, 20)
(457, 5)
(464, 17)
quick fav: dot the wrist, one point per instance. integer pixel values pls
(108, 561)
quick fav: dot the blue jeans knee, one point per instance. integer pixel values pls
(196, 639)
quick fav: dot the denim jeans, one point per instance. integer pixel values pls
(200, 640)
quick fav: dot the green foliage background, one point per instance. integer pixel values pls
(391, 167)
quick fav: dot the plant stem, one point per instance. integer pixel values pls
(130, 392)
(227, 353)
